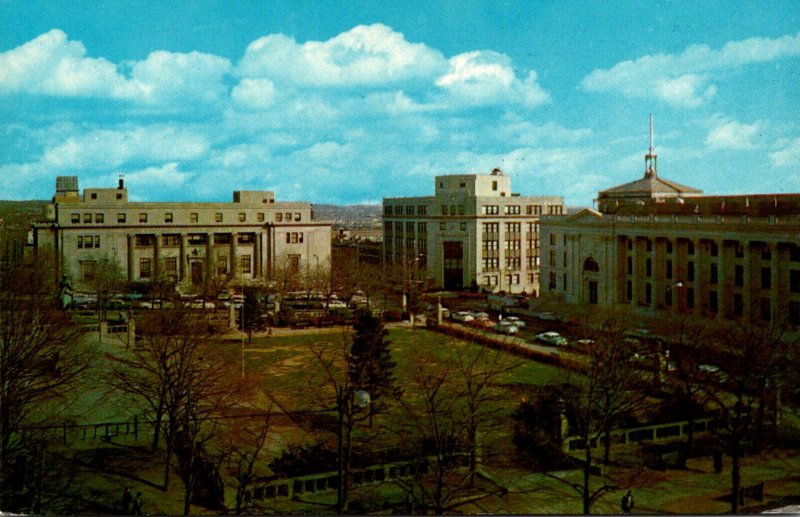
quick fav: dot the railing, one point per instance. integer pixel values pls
(650, 433)
(771, 220)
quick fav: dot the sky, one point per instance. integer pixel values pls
(348, 102)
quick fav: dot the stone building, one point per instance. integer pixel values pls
(659, 246)
(473, 229)
(249, 240)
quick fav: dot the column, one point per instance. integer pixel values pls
(725, 277)
(256, 255)
(131, 256)
(182, 260)
(157, 257)
(638, 271)
(702, 262)
(747, 287)
(660, 282)
(779, 289)
(211, 259)
(233, 255)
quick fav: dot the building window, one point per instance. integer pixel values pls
(490, 209)
(145, 267)
(463, 226)
(713, 305)
(193, 217)
(442, 226)
(738, 304)
(766, 278)
(794, 281)
(222, 263)
(553, 239)
(628, 291)
(512, 279)
(297, 216)
(552, 258)
(96, 241)
(120, 217)
(766, 309)
(564, 282)
(551, 285)
(87, 218)
(794, 254)
(142, 217)
(554, 209)
(171, 240)
(766, 254)
(668, 273)
(690, 298)
(648, 294)
(260, 217)
(422, 210)
(87, 271)
(712, 274)
(669, 247)
(218, 217)
(630, 265)
(690, 247)
(242, 217)
(99, 218)
(279, 215)
(512, 210)
(738, 276)
(713, 249)
(794, 313)
(119, 196)
(294, 238)
(648, 266)
(690, 271)
(168, 217)
(244, 263)
(294, 264)
(494, 185)
(171, 266)
(409, 209)
(80, 241)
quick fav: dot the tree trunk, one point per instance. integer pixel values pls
(587, 467)
(736, 480)
(157, 430)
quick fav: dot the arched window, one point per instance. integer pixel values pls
(591, 265)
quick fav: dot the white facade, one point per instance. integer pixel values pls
(247, 240)
(474, 229)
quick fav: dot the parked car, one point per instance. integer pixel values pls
(197, 303)
(582, 345)
(713, 371)
(505, 328)
(515, 321)
(479, 315)
(337, 304)
(552, 338)
(462, 316)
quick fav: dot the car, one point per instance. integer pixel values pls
(198, 303)
(582, 344)
(337, 304)
(462, 316)
(713, 371)
(515, 321)
(552, 338)
(481, 323)
(479, 315)
(505, 328)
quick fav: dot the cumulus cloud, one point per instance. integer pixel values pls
(105, 148)
(154, 179)
(732, 135)
(51, 64)
(482, 77)
(364, 55)
(686, 79)
(254, 93)
(789, 156)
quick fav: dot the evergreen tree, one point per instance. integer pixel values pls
(371, 366)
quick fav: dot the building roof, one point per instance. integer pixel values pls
(650, 186)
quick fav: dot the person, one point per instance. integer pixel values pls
(627, 502)
(137, 504)
(127, 498)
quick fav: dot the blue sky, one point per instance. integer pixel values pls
(349, 102)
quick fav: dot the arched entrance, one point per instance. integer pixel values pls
(591, 275)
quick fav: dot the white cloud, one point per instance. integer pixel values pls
(112, 148)
(686, 79)
(365, 55)
(51, 64)
(154, 179)
(170, 76)
(732, 135)
(483, 77)
(254, 93)
(789, 156)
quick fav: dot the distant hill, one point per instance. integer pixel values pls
(349, 216)
(20, 213)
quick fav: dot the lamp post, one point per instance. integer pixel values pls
(348, 401)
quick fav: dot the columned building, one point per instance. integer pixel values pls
(472, 230)
(659, 246)
(249, 240)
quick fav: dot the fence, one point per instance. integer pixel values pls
(650, 433)
(68, 433)
(319, 482)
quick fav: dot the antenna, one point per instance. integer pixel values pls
(650, 159)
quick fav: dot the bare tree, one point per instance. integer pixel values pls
(41, 356)
(246, 441)
(610, 387)
(754, 356)
(106, 280)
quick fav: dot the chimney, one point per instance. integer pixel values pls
(121, 182)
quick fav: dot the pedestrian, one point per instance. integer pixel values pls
(127, 499)
(627, 502)
(269, 332)
(137, 504)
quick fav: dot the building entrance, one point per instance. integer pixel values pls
(196, 268)
(453, 265)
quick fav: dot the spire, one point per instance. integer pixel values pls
(650, 159)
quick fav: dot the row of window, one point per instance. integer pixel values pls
(517, 209)
(194, 217)
(510, 279)
(407, 209)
